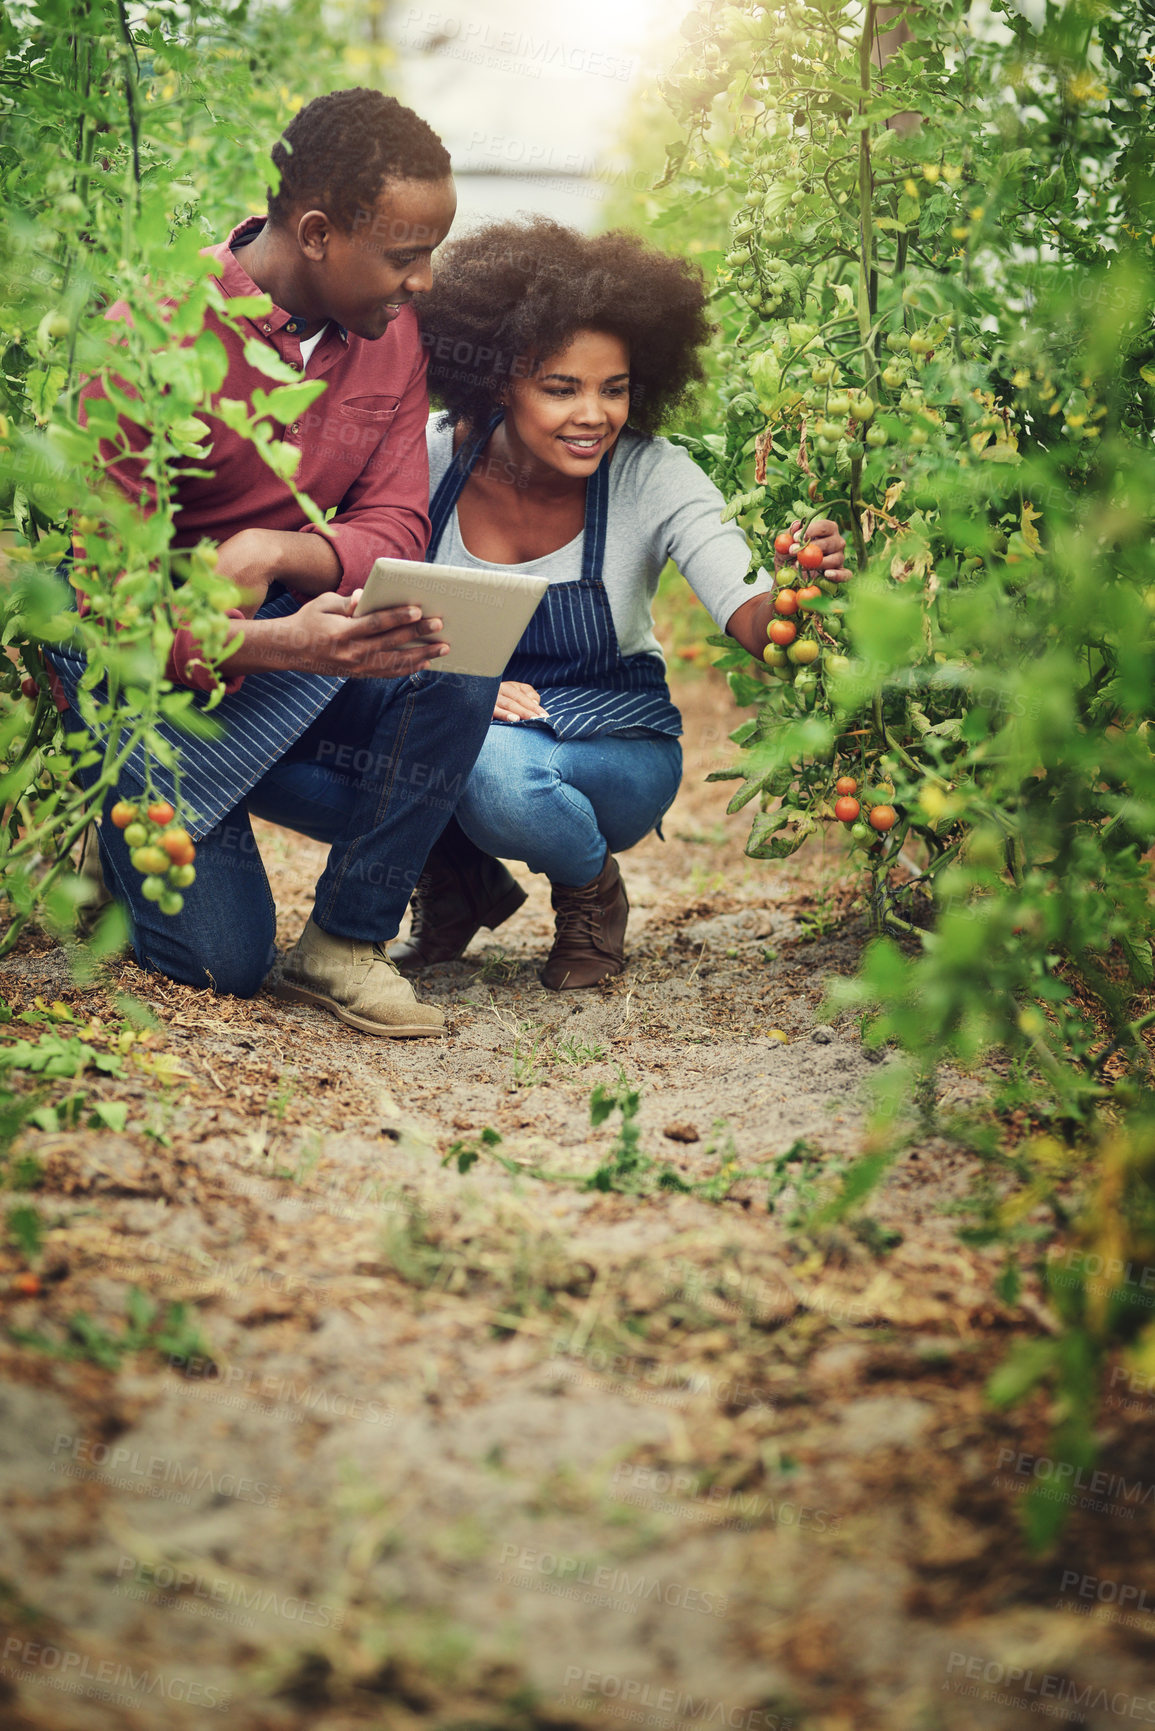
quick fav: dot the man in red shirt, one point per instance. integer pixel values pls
(332, 725)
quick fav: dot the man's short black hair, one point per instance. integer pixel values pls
(339, 151)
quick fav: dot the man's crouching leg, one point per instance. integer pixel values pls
(401, 752)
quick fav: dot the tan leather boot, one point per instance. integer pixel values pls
(460, 890)
(591, 931)
(357, 982)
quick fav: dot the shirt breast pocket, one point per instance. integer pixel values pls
(361, 426)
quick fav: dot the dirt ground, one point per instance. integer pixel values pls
(486, 1448)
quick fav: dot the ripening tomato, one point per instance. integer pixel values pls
(786, 602)
(846, 784)
(846, 809)
(161, 812)
(811, 593)
(122, 814)
(773, 656)
(811, 556)
(782, 632)
(783, 542)
(149, 861)
(803, 653)
(178, 845)
(882, 817)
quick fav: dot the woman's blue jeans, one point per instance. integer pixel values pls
(376, 776)
(558, 804)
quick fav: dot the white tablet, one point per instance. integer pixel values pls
(484, 612)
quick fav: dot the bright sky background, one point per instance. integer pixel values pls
(515, 86)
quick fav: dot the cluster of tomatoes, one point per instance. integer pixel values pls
(162, 854)
(848, 810)
(785, 646)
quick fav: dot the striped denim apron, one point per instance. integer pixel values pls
(569, 651)
(259, 723)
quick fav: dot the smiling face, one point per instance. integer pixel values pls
(362, 278)
(569, 414)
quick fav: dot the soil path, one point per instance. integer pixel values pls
(487, 1448)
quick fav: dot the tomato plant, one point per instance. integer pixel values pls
(936, 301)
(128, 142)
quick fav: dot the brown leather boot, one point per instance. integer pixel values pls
(460, 890)
(591, 931)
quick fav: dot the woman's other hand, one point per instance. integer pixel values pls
(517, 702)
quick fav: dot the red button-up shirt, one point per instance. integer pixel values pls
(362, 445)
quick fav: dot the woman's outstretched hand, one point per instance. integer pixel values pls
(826, 535)
(518, 702)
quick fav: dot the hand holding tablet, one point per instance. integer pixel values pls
(485, 612)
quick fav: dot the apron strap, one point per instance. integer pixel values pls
(444, 500)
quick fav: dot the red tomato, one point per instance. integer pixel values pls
(29, 687)
(786, 601)
(846, 809)
(122, 814)
(782, 632)
(161, 812)
(178, 845)
(846, 784)
(27, 1285)
(811, 556)
(783, 543)
(809, 594)
(882, 817)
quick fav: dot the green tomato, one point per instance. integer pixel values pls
(136, 835)
(838, 403)
(876, 437)
(773, 656)
(837, 664)
(863, 408)
(150, 861)
(182, 876)
(826, 447)
(829, 430)
(171, 902)
(803, 652)
(860, 833)
(893, 378)
(898, 342)
(153, 888)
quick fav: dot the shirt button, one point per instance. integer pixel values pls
(268, 330)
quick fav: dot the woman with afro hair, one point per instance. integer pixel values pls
(556, 357)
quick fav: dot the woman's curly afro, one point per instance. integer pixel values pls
(507, 297)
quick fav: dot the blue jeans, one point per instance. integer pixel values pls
(376, 775)
(559, 804)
